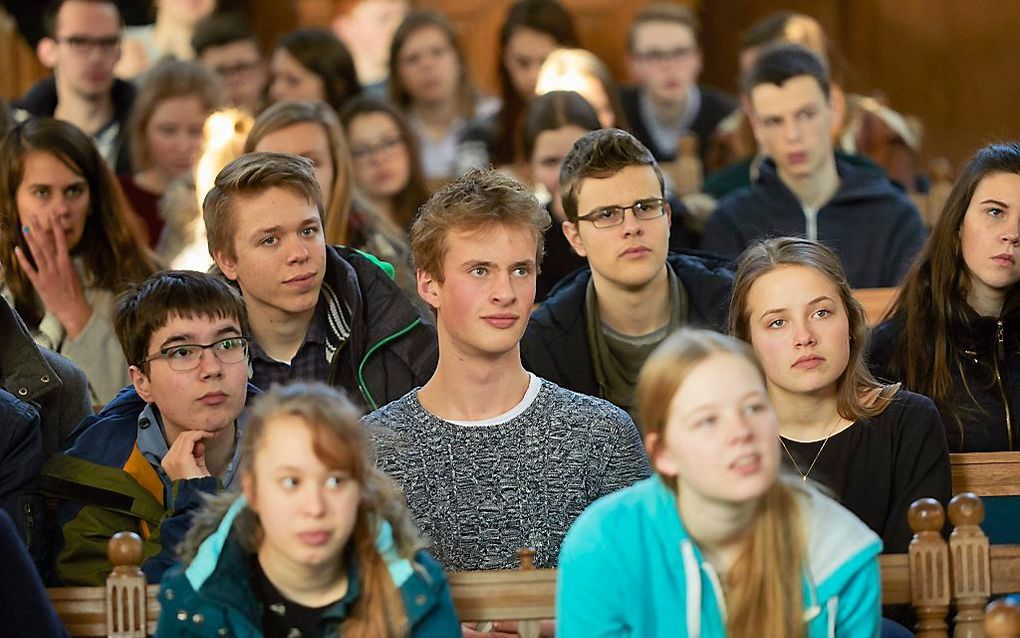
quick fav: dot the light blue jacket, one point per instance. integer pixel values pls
(629, 568)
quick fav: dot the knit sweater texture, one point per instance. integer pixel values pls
(481, 492)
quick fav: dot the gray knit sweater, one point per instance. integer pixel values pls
(480, 493)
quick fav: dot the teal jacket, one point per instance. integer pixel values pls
(211, 595)
(629, 568)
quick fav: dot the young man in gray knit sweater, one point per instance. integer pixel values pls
(491, 457)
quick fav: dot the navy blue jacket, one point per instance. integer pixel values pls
(555, 345)
(872, 226)
(24, 606)
(21, 463)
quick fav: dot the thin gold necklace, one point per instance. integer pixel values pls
(804, 475)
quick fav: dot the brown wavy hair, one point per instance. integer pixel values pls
(932, 304)
(112, 252)
(856, 385)
(763, 587)
(467, 95)
(341, 442)
(284, 114)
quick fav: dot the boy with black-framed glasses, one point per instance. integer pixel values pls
(144, 462)
(597, 327)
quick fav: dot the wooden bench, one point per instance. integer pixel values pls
(986, 473)
(876, 302)
(935, 575)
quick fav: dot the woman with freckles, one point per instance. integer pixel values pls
(318, 543)
(954, 332)
(876, 447)
(63, 283)
(716, 543)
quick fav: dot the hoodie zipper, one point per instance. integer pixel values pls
(1000, 353)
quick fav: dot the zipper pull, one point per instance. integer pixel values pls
(1000, 346)
(26, 508)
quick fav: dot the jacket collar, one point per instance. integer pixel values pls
(25, 373)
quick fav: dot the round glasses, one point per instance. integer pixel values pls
(188, 356)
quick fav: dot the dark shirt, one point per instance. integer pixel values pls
(145, 204)
(287, 619)
(309, 364)
(877, 467)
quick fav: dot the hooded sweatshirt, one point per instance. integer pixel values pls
(211, 593)
(874, 228)
(628, 567)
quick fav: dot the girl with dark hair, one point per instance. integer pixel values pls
(319, 542)
(876, 447)
(312, 64)
(552, 124)
(68, 244)
(716, 543)
(954, 330)
(532, 30)
(429, 80)
(387, 168)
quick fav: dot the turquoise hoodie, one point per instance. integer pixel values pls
(629, 568)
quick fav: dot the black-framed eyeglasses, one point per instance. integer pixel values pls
(187, 356)
(643, 209)
(662, 55)
(385, 145)
(83, 45)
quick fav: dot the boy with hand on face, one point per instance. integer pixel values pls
(144, 462)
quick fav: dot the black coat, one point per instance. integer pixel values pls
(555, 345)
(391, 348)
(872, 226)
(985, 376)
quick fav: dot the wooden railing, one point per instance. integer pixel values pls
(932, 577)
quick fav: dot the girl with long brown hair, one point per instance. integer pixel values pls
(954, 330)
(877, 448)
(68, 245)
(319, 542)
(716, 543)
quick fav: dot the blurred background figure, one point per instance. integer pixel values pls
(367, 28)
(170, 35)
(430, 82)
(173, 102)
(582, 71)
(226, 45)
(312, 64)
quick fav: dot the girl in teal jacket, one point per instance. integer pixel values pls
(318, 545)
(716, 544)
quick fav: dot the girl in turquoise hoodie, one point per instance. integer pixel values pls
(318, 545)
(716, 543)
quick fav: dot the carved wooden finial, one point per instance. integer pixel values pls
(526, 555)
(968, 555)
(929, 566)
(1002, 619)
(125, 550)
(126, 604)
(926, 515)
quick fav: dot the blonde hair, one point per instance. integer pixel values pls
(564, 65)
(284, 114)
(763, 587)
